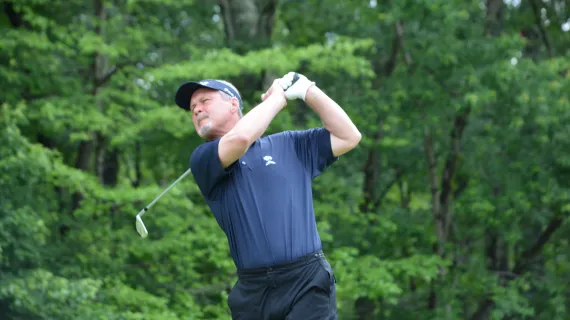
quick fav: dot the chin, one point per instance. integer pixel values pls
(206, 131)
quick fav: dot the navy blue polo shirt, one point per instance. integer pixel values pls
(263, 201)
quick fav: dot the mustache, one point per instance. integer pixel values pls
(201, 116)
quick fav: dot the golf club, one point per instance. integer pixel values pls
(141, 229)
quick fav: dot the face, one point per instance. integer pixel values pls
(211, 113)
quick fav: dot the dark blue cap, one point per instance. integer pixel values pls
(186, 90)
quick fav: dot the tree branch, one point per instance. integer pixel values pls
(522, 263)
(538, 20)
(432, 170)
(16, 19)
(371, 166)
(450, 167)
(452, 93)
(483, 310)
(228, 26)
(397, 178)
(405, 195)
(391, 63)
(106, 77)
(400, 34)
(371, 172)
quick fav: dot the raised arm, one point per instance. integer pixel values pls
(344, 134)
(237, 141)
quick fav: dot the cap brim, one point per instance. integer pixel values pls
(185, 92)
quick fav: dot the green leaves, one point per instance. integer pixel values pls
(39, 293)
(371, 277)
(340, 56)
(22, 234)
(90, 134)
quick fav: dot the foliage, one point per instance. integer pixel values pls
(455, 205)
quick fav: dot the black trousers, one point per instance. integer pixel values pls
(304, 289)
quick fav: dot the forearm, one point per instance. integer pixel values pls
(255, 122)
(334, 118)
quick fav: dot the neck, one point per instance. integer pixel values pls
(222, 131)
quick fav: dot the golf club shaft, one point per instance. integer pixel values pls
(163, 192)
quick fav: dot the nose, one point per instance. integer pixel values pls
(198, 109)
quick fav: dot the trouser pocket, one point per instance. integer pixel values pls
(331, 277)
(244, 301)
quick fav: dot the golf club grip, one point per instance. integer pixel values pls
(295, 78)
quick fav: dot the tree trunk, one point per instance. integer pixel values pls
(248, 25)
(138, 174)
(106, 158)
(82, 162)
(521, 265)
(494, 244)
(372, 165)
(365, 307)
(16, 19)
(496, 252)
(371, 173)
(441, 195)
(97, 142)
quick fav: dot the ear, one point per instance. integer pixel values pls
(235, 105)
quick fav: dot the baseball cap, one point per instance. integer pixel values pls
(186, 90)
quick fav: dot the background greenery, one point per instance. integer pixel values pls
(454, 206)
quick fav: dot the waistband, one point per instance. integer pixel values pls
(304, 260)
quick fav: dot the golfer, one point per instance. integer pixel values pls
(259, 190)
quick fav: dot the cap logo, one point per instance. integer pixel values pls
(229, 92)
(204, 83)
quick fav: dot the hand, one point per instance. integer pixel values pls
(275, 90)
(295, 85)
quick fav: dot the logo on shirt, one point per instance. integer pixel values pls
(268, 160)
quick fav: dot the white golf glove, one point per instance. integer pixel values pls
(295, 85)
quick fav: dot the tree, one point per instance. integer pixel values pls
(454, 206)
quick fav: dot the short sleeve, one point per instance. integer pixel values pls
(207, 168)
(314, 149)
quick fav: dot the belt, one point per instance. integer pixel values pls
(304, 260)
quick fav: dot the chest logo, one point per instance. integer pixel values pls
(268, 160)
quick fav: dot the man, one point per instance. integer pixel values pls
(259, 190)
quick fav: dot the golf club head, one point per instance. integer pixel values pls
(141, 229)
